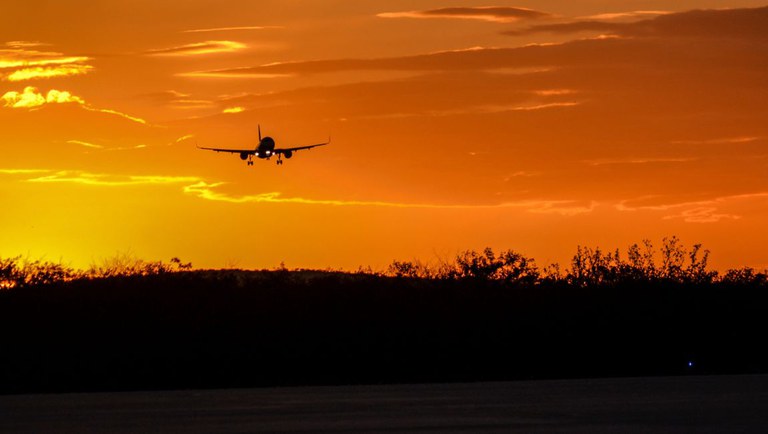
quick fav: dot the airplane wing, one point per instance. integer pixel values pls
(234, 151)
(299, 148)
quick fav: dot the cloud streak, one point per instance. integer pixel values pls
(20, 62)
(730, 23)
(39, 72)
(85, 144)
(498, 14)
(199, 187)
(230, 29)
(702, 211)
(106, 180)
(32, 98)
(199, 48)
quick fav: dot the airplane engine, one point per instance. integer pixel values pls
(243, 156)
(288, 154)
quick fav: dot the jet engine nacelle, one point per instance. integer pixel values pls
(243, 155)
(288, 154)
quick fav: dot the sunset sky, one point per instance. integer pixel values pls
(535, 126)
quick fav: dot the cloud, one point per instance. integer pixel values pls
(25, 44)
(701, 211)
(625, 15)
(86, 144)
(206, 190)
(178, 100)
(48, 72)
(116, 113)
(106, 180)
(709, 24)
(22, 171)
(640, 160)
(199, 187)
(719, 141)
(32, 98)
(498, 14)
(702, 215)
(232, 110)
(232, 73)
(229, 29)
(198, 48)
(20, 61)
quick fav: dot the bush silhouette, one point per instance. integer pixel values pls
(132, 324)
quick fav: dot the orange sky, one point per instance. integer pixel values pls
(530, 125)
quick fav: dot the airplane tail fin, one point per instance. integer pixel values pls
(259, 133)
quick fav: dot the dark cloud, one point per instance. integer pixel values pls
(646, 109)
(683, 40)
(726, 23)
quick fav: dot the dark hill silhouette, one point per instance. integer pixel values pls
(483, 317)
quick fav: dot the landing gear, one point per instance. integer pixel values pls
(250, 163)
(279, 161)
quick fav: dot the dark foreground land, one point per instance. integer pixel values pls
(700, 404)
(237, 329)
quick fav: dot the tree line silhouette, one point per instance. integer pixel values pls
(128, 324)
(589, 267)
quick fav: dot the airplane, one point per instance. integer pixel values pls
(265, 150)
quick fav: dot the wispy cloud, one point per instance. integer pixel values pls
(741, 23)
(499, 14)
(229, 29)
(85, 144)
(625, 15)
(106, 180)
(178, 100)
(480, 109)
(116, 113)
(232, 110)
(232, 73)
(31, 98)
(208, 190)
(640, 160)
(697, 211)
(21, 61)
(198, 48)
(702, 215)
(718, 141)
(22, 171)
(48, 72)
(25, 44)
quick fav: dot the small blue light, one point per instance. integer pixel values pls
(690, 364)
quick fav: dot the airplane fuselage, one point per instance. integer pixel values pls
(266, 147)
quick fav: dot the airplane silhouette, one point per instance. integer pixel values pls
(265, 150)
